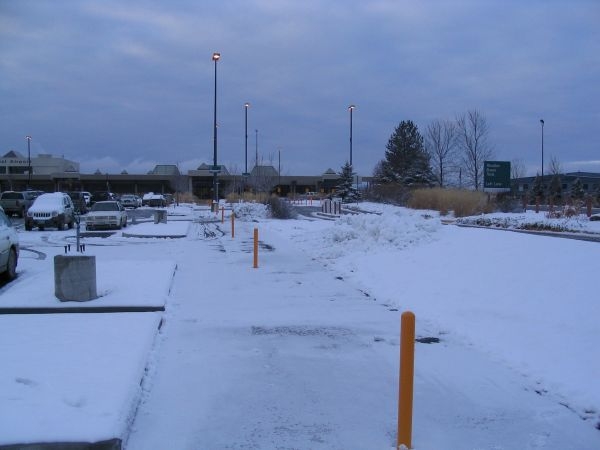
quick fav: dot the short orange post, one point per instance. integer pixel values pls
(407, 371)
(232, 225)
(222, 214)
(255, 248)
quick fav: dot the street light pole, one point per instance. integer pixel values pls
(28, 161)
(542, 122)
(215, 58)
(351, 108)
(279, 170)
(246, 106)
(256, 142)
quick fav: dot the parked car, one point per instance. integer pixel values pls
(154, 200)
(102, 196)
(108, 214)
(130, 201)
(51, 210)
(79, 202)
(13, 202)
(9, 248)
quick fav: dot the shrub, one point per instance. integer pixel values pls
(393, 193)
(280, 209)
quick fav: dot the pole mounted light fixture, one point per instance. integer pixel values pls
(246, 106)
(351, 108)
(215, 168)
(542, 122)
(28, 138)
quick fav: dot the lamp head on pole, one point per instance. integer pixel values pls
(216, 56)
(542, 122)
(28, 138)
(246, 105)
(351, 107)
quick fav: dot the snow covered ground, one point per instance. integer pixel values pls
(302, 352)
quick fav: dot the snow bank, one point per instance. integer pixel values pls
(397, 229)
(530, 220)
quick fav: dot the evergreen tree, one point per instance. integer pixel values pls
(537, 190)
(345, 188)
(406, 160)
(555, 189)
(577, 192)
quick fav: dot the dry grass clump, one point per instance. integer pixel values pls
(186, 197)
(260, 197)
(461, 202)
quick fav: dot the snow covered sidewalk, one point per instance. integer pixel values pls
(282, 356)
(295, 355)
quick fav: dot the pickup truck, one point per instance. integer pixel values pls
(13, 202)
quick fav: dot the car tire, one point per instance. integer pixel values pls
(60, 224)
(125, 224)
(28, 227)
(70, 225)
(11, 265)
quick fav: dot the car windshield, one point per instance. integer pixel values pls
(12, 195)
(105, 206)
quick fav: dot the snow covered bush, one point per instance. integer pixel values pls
(250, 211)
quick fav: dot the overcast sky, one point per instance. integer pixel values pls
(124, 85)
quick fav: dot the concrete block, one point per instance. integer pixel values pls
(160, 216)
(75, 278)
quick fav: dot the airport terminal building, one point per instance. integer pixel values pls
(50, 173)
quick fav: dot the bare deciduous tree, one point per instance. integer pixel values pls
(440, 142)
(517, 168)
(554, 166)
(473, 133)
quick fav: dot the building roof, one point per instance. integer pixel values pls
(583, 174)
(13, 154)
(264, 171)
(204, 170)
(165, 170)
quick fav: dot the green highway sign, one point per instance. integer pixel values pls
(496, 175)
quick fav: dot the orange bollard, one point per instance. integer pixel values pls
(222, 214)
(255, 248)
(407, 372)
(232, 225)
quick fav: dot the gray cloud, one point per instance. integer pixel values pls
(129, 84)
